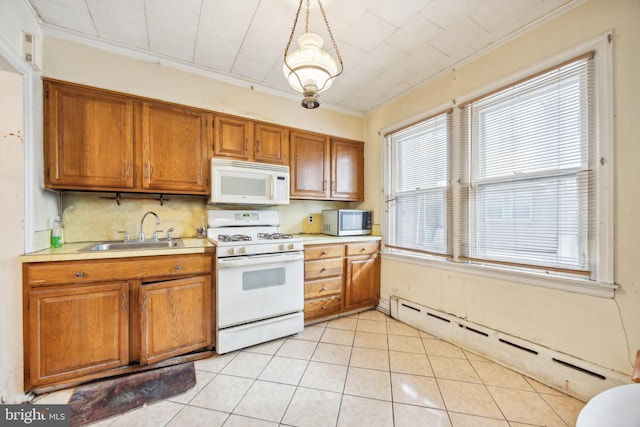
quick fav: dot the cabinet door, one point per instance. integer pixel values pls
(347, 170)
(76, 330)
(309, 167)
(233, 138)
(175, 318)
(362, 282)
(88, 138)
(175, 143)
(271, 144)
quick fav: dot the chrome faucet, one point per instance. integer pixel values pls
(141, 235)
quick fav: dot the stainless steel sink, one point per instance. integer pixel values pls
(132, 245)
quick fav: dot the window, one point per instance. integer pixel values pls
(522, 184)
(420, 199)
(531, 168)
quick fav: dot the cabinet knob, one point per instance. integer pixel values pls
(323, 253)
(324, 288)
(178, 267)
(324, 307)
(323, 269)
(79, 274)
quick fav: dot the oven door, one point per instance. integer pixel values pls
(251, 288)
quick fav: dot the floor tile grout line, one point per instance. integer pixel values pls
(316, 343)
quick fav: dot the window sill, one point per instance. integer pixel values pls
(584, 287)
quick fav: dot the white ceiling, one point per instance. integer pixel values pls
(388, 46)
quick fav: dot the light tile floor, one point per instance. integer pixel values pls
(363, 370)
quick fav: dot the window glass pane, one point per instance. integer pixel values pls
(421, 155)
(531, 222)
(421, 221)
(540, 127)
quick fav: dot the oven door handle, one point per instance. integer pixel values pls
(244, 261)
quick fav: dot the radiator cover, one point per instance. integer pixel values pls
(560, 371)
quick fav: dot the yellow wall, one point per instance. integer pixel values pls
(96, 216)
(602, 331)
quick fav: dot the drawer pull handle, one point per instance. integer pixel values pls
(124, 298)
(144, 302)
(80, 274)
(324, 288)
(178, 267)
(363, 249)
(323, 253)
(323, 269)
(324, 307)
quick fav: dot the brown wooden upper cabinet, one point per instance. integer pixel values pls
(347, 170)
(174, 149)
(100, 140)
(326, 169)
(241, 139)
(88, 138)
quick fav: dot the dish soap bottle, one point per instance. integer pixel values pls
(56, 234)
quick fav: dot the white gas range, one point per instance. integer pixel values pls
(259, 278)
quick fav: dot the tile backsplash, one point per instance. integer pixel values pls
(97, 216)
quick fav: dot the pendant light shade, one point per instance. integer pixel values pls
(309, 69)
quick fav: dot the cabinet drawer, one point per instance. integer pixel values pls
(72, 272)
(321, 288)
(321, 307)
(362, 248)
(176, 266)
(76, 272)
(323, 251)
(323, 268)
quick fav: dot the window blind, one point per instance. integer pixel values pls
(420, 206)
(528, 197)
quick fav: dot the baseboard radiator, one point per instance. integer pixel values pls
(560, 371)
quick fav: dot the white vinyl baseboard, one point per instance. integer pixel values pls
(560, 371)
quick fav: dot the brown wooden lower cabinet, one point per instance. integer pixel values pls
(362, 277)
(175, 317)
(77, 330)
(85, 319)
(340, 278)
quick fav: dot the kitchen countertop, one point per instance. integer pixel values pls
(71, 251)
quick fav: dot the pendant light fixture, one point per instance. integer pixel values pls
(309, 69)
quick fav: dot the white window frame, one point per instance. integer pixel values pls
(602, 282)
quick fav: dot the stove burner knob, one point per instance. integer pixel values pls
(281, 247)
(242, 250)
(231, 251)
(291, 246)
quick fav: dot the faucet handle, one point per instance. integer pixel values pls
(169, 231)
(155, 234)
(127, 236)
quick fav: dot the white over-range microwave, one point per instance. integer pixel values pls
(248, 183)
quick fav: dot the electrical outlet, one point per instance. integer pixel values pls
(310, 219)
